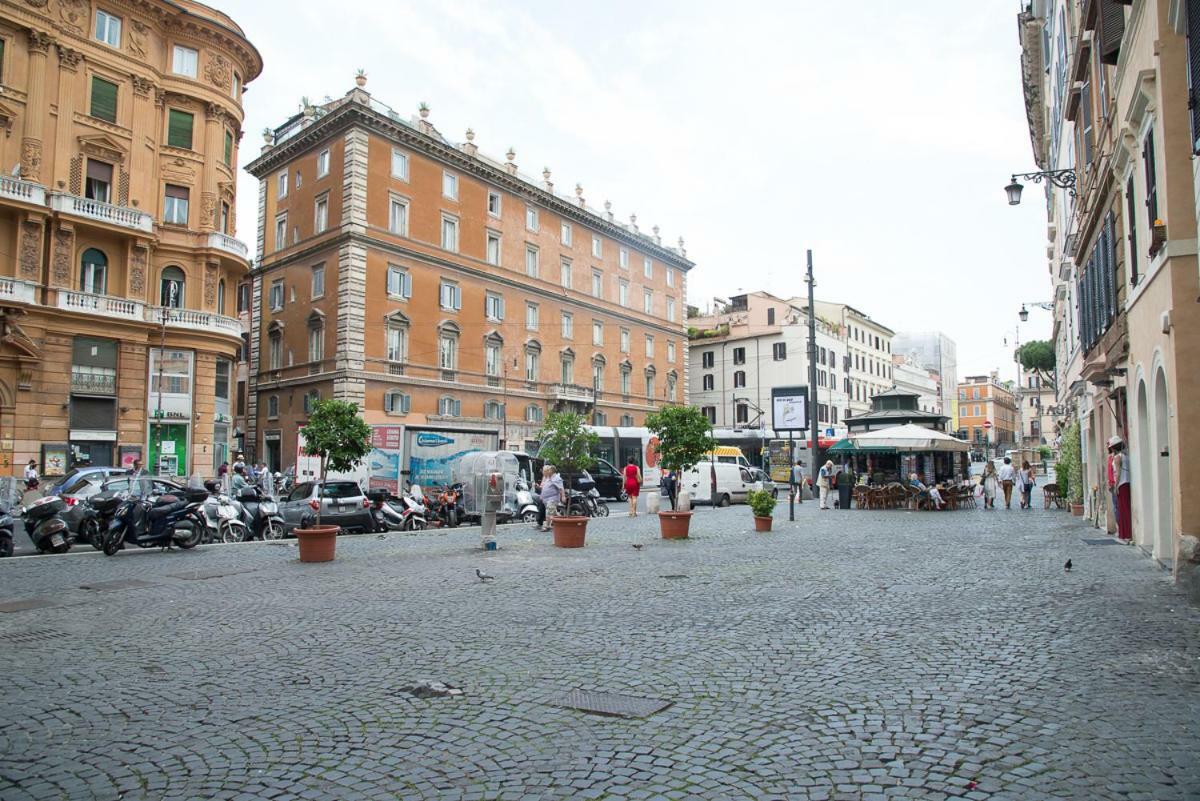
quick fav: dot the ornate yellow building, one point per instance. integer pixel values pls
(121, 122)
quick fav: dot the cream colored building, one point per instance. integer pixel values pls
(124, 120)
(869, 353)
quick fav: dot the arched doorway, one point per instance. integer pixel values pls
(1143, 474)
(1164, 545)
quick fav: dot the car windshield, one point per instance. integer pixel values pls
(78, 484)
(340, 489)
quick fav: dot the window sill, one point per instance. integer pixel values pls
(318, 297)
(397, 298)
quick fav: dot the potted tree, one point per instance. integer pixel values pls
(341, 439)
(568, 445)
(684, 437)
(762, 504)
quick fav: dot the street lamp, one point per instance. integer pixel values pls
(1064, 179)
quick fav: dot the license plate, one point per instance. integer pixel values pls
(56, 540)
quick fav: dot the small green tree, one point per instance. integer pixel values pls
(684, 436)
(337, 435)
(1070, 465)
(566, 443)
(1038, 357)
(762, 504)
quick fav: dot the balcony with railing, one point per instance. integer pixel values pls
(237, 247)
(100, 211)
(93, 380)
(103, 305)
(194, 320)
(14, 289)
(572, 392)
(24, 191)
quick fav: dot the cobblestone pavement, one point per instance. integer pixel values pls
(849, 655)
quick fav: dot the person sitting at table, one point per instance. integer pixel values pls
(930, 493)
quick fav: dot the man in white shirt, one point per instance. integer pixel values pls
(1008, 477)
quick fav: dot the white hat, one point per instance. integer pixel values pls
(1114, 441)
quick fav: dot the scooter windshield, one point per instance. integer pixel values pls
(141, 487)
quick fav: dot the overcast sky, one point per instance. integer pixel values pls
(878, 134)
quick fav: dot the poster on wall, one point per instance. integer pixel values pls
(128, 454)
(383, 462)
(433, 454)
(54, 459)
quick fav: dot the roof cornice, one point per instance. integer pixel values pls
(354, 114)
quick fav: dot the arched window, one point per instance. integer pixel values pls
(93, 272)
(533, 413)
(533, 357)
(449, 407)
(171, 288)
(396, 402)
(493, 410)
(221, 296)
(739, 379)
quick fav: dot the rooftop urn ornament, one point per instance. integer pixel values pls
(682, 249)
(268, 136)
(511, 154)
(423, 109)
(657, 238)
(633, 221)
(470, 134)
(608, 210)
(360, 78)
(579, 194)
(546, 178)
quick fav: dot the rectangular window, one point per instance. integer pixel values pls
(568, 325)
(1148, 160)
(243, 298)
(184, 61)
(531, 366)
(281, 185)
(707, 359)
(493, 306)
(567, 371)
(175, 205)
(670, 276)
(492, 359)
(397, 402)
(179, 129)
(597, 284)
(625, 381)
(447, 352)
(1131, 224)
(108, 29)
(670, 310)
(565, 234)
(624, 340)
(449, 233)
(277, 295)
(449, 185)
(323, 164)
(321, 214)
(493, 248)
(493, 203)
(398, 216)
(400, 165)
(623, 257)
(318, 281)
(623, 293)
(739, 355)
(531, 218)
(281, 232)
(647, 301)
(650, 386)
(275, 352)
(531, 316)
(399, 282)
(779, 351)
(316, 343)
(670, 350)
(235, 90)
(104, 99)
(648, 267)
(450, 296)
(228, 157)
(597, 333)
(597, 251)
(564, 274)
(649, 347)
(531, 261)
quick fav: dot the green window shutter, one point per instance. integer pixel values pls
(179, 129)
(1, 59)
(104, 100)
(228, 149)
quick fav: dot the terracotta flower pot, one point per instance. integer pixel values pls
(317, 544)
(569, 532)
(762, 523)
(674, 525)
(1077, 509)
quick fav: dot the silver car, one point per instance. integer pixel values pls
(762, 481)
(342, 504)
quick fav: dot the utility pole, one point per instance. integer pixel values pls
(812, 369)
(162, 353)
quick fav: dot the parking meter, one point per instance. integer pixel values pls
(493, 499)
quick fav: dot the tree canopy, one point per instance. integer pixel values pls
(684, 434)
(1038, 356)
(338, 435)
(566, 443)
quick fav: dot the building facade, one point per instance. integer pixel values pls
(935, 351)
(984, 400)
(757, 342)
(869, 353)
(1036, 399)
(439, 289)
(117, 297)
(910, 376)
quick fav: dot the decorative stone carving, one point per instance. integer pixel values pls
(142, 86)
(210, 284)
(74, 13)
(208, 210)
(37, 3)
(63, 241)
(102, 147)
(39, 41)
(31, 246)
(123, 188)
(31, 160)
(137, 271)
(160, 96)
(68, 58)
(76, 175)
(217, 70)
(137, 38)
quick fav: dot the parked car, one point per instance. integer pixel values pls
(93, 487)
(733, 483)
(76, 475)
(609, 481)
(343, 504)
(762, 481)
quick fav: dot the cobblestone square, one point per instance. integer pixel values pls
(848, 655)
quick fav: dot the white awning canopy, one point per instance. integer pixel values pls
(910, 438)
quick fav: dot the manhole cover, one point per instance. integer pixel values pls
(27, 603)
(430, 689)
(33, 636)
(610, 704)
(1100, 541)
(203, 575)
(674, 576)
(123, 584)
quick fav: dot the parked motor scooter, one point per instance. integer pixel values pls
(6, 532)
(160, 522)
(411, 507)
(260, 513)
(527, 506)
(45, 526)
(383, 515)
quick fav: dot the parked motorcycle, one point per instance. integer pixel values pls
(45, 526)
(6, 532)
(383, 515)
(411, 507)
(585, 504)
(222, 518)
(527, 507)
(444, 507)
(260, 514)
(160, 522)
(96, 513)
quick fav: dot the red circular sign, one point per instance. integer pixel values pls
(987, 423)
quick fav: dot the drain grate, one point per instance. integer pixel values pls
(32, 636)
(203, 575)
(613, 705)
(122, 584)
(27, 603)
(1100, 541)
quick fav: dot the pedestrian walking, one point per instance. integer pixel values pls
(1118, 486)
(1008, 477)
(669, 487)
(633, 484)
(552, 495)
(797, 480)
(824, 480)
(1028, 479)
(31, 472)
(990, 483)
(223, 469)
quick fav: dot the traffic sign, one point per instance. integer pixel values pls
(987, 423)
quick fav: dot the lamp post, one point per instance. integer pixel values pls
(158, 414)
(1063, 179)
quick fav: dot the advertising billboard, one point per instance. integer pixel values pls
(789, 408)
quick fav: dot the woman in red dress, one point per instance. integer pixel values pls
(633, 484)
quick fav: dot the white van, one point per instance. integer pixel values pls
(734, 482)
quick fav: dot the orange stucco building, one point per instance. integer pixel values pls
(123, 122)
(982, 399)
(438, 288)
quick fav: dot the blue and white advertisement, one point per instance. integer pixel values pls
(432, 454)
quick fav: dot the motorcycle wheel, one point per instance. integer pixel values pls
(66, 546)
(192, 539)
(417, 524)
(90, 530)
(601, 509)
(6, 547)
(113, 541)
(230, 532)
(452, 518)
(529, 517)
(273, 530)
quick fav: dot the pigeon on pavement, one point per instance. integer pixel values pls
(637, 546)
(484, 576)
(1067, 566)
